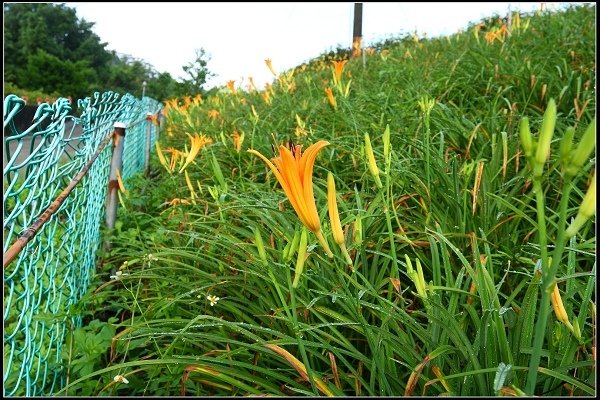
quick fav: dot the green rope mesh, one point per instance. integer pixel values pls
(52, 273)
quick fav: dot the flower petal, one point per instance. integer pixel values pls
(306, 166)
(290, 169)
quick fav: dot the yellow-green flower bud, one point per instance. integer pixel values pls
(526, 138)
(416, 276)
(586, 209)
(291, 247)
(426, 104)
(371, 160)
(566, 144)
(334, 216)
(421, 286)
(545, 138)
(584, 149)
(260, 246)
(576, 330)
(301, 256)
(358, 236)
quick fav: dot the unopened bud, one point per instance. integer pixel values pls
(290, 249)
(260, 247)
(526, 138)
(358, 237)
(545, 138)
(334, 216)
(586, 209)
(584, 149)
(371, 160)
(559, 308)
(566, 145)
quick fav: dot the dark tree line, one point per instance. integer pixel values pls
(48, 48)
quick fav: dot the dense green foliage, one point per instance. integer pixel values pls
(48, 48)
(450, 281)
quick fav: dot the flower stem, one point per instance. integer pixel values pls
(427, 150)
(347, 256)
(319, 235)
(538, 340)
(548, 273)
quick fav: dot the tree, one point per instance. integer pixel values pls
(163, 87)
(197, 72)
(51, 74)
(127, 74)
(48, 48)
(55, 30)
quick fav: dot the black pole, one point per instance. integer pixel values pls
(357, 31)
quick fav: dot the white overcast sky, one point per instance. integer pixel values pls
(238, 37)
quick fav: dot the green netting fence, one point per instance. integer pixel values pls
(58, 153)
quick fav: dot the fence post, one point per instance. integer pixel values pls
(116, 164)
(357, 31)
(148, 142)
(161, 120)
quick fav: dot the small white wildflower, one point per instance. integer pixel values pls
(120, 379)
(213, 299)
(117, 275)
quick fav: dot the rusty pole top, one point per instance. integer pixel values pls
(357, 31)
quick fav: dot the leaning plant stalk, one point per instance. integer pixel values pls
(426, 105)
(388, 221)
(382, 192)
(571, 165)
(548, 271)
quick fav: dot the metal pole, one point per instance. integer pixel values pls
(116, 164)
(144, 83)
(148, 142)
(357, 31)
(161, 120)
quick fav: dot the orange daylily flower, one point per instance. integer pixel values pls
(174, 154)
(331, 97)
(197, 143)
(266, 96)
(213, 114)
(270, 66)
(294, 173)
(230, 85)
(338, 69)
(237, 140)
(187, 100)
(197, 100)
(251, 80)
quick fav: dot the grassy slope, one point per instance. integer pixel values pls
(457, 197)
